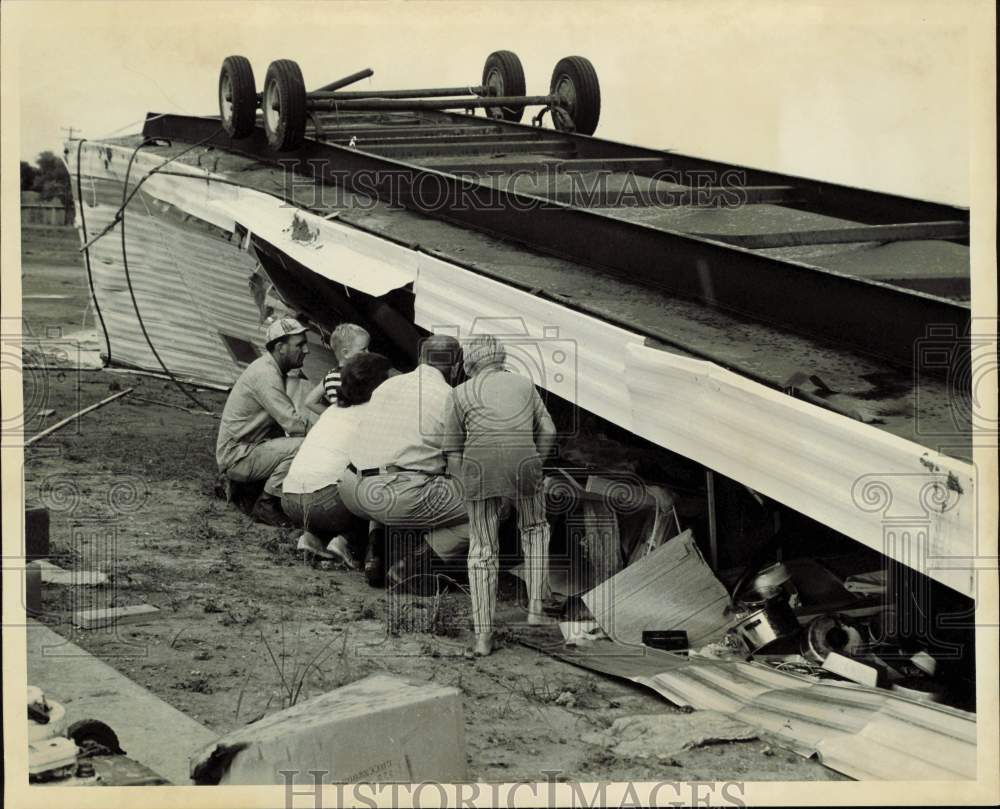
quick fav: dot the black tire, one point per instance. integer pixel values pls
(503, 70)
(286, 127)
(239, 111)
(93, 730)
(574, 77)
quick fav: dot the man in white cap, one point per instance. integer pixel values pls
(261, 428)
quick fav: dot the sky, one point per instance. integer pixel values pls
(824, 90)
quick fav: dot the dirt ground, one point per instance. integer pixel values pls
(244, 627)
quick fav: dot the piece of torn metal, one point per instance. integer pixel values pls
(670, 588)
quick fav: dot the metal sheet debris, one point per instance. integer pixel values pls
(671, 588)
(865, 733)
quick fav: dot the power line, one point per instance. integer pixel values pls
(70, 130)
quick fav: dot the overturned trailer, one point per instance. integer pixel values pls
(807, 340)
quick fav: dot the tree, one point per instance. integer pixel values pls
(52, 180)
(28, 175)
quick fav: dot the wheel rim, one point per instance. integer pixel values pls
(272, 106)
(494, 80)
(566, 91)
(226, 99)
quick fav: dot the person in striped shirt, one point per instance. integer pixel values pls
(346, 341)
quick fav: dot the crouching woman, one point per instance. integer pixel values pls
(310, 495)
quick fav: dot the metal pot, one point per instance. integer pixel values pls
(763, 626)
(830, 633)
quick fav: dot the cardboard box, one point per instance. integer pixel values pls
(382, 729)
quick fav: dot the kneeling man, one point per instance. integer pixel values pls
(261, 429)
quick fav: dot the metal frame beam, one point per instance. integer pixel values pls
(870, 317)
(909, 232)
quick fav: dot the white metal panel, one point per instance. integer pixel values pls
(912, 504)
(573, 355)
(346, 255)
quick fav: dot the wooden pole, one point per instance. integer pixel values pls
(713, 534)
(60, 424)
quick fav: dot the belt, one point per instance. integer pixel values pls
(390, 469)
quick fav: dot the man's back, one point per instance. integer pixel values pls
(404, 423)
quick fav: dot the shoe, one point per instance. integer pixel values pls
(374, 567)
(413, 573)
(338, 548)
(267, 510)
(312, 550)
(537, 615)
(482, 647)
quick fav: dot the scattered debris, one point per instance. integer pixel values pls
(665, 735)
(53, 574)
(107, 616)
(69, 419)
(851, 669)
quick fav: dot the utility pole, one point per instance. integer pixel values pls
(69, 130)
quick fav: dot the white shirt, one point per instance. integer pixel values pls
(404, 423)
(323, 455)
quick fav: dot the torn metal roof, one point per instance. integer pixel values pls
(865, 733)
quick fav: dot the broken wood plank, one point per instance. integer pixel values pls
(909, 232)
(108, 616)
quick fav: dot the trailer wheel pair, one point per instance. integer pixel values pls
(574, 97)
(283, 102)
(574, 81)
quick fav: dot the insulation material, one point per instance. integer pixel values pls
(671, 588)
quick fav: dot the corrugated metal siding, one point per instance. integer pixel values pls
(866, 733)
(190, 280)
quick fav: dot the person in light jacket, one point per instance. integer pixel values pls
(501, 430)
